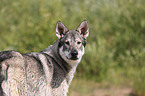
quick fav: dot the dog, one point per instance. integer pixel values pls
(45, 73)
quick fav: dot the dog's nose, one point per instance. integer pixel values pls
(74, 53)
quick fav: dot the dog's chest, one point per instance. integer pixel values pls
(44, 89)
(39, 84)
(61, 90)
(44, 79)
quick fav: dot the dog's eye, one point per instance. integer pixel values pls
(67, 42)
(78, 42)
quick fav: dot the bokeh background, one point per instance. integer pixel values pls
(114, 61)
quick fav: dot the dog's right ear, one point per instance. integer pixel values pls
(60, 29)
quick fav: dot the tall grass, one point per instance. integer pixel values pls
(115, 51)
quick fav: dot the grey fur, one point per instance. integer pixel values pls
(45, 73)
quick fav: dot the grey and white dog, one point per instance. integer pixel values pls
(45, 73)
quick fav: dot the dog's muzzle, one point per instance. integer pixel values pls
(74, 54)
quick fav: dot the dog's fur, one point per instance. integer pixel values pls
(45, 73)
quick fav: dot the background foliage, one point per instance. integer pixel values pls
(116, 46)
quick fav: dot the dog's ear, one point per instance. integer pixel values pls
(60, 29)
(84, 29)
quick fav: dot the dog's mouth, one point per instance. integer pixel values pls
(72, 58)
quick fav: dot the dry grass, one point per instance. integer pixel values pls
(89, 88)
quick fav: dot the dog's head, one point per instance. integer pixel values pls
(72, 42)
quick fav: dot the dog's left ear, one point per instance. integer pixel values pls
(60, 29)
(84, 29)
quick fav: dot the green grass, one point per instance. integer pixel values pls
(115, 51)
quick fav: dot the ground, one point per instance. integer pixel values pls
(89, 88)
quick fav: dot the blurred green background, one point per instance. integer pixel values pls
(115, 52)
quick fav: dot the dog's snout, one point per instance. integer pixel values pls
(74, 53)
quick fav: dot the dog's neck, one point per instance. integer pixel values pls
(68, 66)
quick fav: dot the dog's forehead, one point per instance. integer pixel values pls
(73, 35)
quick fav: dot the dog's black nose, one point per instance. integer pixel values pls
(74, 53)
